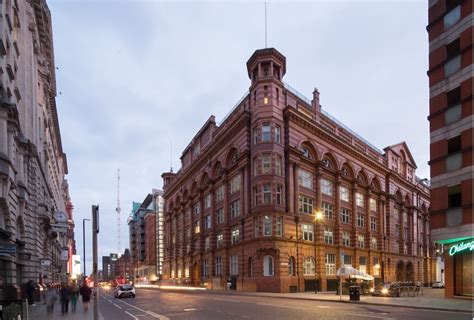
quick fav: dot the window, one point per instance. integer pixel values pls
(348, 260)
(291, 266)
(234, 265)
(196, 150)
(308, 231)
(373, 204)
(256, 196)
(454, 158)
(234, 209)
(205, 268)
(220, 239)
(235, 235)
(207, 243)
(326, 187)
(255, 167)
(345, 215)
(344, 193)
(278, 165)
(220, 216)
(268, 266)
(328, 210)
(235, 184)
(305, 204)
(207, 201)
(373, 243)
(328, 236)
(257, 227)
(279, 190)
(305, 179)
(376, 270)
(454, 196)
(306, 153)
(207, 222)
(453, 58)
(452, 17)
(330, 264)
(360, 241)
(266, 164)
(196, 208)
(218, 266)
(373, 223)
(267, 226)
(405, 233)
(219, 194)
(308, 266)
(360, 199)
(266, 133)
(267, 194)
(346, 238)
(255, 135)
(360, 219)
(453, 113)
(277, 134)
(279, 226)
(197, 227)
(363, 264)
(265, 94)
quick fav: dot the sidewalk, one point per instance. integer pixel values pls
(39, 312)
(432, 299)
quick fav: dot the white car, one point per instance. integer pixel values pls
(124, 290)
(437, 284)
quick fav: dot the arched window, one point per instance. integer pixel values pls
(327, 163)
(308, 266)
(268, 266)
(291, 266)
(306, 153)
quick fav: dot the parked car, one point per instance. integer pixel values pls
(437, 284)
(386, 290)
(124, 290)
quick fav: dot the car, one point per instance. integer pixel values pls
(386, 290)
(437, 284)
(124, 290)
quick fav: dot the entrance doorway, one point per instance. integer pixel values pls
(400, 272)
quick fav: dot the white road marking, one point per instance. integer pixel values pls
(131, 315)
(246, 317)
(367, 316)
(190, 309)
(151, 313)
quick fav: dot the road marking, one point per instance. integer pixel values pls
(367, 316)
(117, 306)
(131, 315)
(190, 309)
(246, 317)
(151, 313)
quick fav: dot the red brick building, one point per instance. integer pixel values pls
(242, 207)
(450, 31)
(123, 265)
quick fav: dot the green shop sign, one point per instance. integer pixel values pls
(460, 247)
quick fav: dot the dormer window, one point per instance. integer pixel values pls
(306, 153)
(197, 150)
(326, 163)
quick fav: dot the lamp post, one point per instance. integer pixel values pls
(318, 216)
(84, 242)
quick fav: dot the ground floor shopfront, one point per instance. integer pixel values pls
(459, 268)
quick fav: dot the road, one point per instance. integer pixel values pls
(154, 304)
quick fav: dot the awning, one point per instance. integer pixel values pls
(348, 271)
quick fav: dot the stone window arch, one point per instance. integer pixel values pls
(268, 266)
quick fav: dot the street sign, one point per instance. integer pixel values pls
(59, 227)
(7, 248)
(45, 262)
(64, 255)
(25, 256)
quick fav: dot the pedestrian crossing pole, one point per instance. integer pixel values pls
(95, 231)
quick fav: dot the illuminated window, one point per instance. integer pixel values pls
(267, 226)
(326, 187)
(344, 193)
(305, 179)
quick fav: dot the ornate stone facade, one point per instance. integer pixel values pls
(242, 208)
(32, 163)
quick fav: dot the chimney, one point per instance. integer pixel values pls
(315, 101)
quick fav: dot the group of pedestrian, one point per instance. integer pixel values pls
(67, 293)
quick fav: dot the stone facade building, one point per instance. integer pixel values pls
(450, 31)
(124, 265)
(33, 188)
(242, 208)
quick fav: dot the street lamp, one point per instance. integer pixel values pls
(84, 242)
(318, 216)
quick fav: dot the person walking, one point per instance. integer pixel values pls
(74, 296)
(50, 298)
(85, 292)
(30, 291)
(65, 295)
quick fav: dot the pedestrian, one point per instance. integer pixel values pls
(74, 296)
(65, 295)
(50, 298)
(85, 292)
(30, 291)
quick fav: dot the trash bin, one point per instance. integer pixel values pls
(354, 293)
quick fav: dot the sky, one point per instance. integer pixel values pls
(137, 79)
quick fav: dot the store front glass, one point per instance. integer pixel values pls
(463, 268)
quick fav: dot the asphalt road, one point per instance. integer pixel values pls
(152, 304)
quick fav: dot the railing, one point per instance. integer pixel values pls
(339, 123)
(233, 108)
